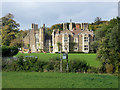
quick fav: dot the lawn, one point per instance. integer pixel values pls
(57, 80)
(89, 58)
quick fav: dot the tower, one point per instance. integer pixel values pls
(32, 37)
(42, 37)
(34, 26)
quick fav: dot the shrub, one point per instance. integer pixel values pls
(9, 51)
(33, 64)
(93, 70)
(78, 66)
(41, 65)
(109, 68)
(8, 65)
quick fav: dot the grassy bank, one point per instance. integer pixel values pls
(57, 80)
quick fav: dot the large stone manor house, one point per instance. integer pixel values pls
(71, 39)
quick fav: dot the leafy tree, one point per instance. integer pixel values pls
(16, 42)
(9, 29)
(97, 20)
(57, 26)
(109, 44)
(9, 51)
(94, 46)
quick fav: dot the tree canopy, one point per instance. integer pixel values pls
(108, 40)
(9, 29)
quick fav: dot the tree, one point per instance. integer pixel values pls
(94, 46)
(57, 26)
(16, 42)
(97, 20)
(109, 44)
(9, 29)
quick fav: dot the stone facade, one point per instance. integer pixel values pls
(36, 39)
(75, 39)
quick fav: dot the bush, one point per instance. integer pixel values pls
(30, 64)
(8, 65)
(93, 70)
(78, 66)
(9, 51)
(109, 68)
(26, 64)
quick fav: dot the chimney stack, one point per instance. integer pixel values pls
(77, 26)
(34, 26)
(43, 25)
(70, 26)
(64, 26)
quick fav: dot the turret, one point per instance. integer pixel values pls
(42, 37)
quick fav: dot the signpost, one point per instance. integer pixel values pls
(60, 61)
(65, 57)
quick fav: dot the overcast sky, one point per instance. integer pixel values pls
(50, 13)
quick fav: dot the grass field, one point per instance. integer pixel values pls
(89, 58)
(57, 80)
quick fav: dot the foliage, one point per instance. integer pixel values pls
(109, 68)
(9, 51)
(11, 36)
(78, 66)
(16, 42)
(109, 43)
(94, 26)
(59, 46)
(9, 29)
(97, 20)
(33, 64)
(94, 46)
(57, 26)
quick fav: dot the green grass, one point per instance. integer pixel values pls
(89, 58)
(57, 80)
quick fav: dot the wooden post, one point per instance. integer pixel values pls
(60, 60)
(67, 59)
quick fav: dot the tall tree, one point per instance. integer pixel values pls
(9, 29)
(97, 20)
(109, 44)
